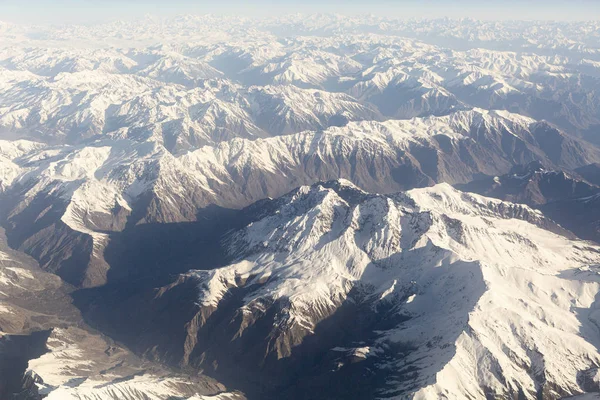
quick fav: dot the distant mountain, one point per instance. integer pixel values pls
(70, 93)
(174, 68)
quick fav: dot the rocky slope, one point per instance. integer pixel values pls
(533, 184)
(47, 351)
(420, 294)
(565, 197)
(62, 203)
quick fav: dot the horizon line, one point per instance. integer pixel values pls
(150, 16)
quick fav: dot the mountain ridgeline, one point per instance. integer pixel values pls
(300, 207)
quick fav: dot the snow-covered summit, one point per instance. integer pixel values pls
(458, 278)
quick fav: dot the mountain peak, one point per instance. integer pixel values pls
(437, 248)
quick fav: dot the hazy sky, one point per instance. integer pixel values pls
(92, 11)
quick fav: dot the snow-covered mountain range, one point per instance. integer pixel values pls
(81, 193)
(164, 175)
(425, 294)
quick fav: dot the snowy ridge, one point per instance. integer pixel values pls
(69, 92)
(100, 187)
(494, 279)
